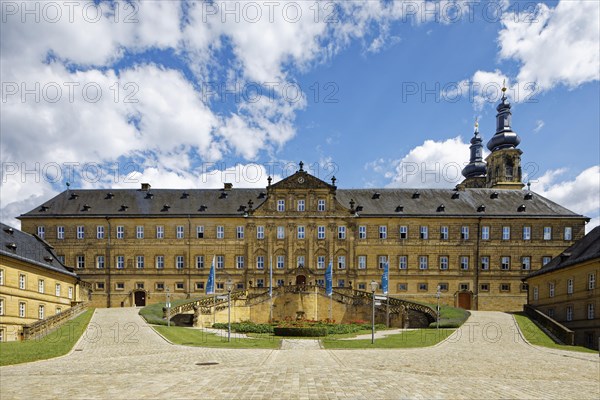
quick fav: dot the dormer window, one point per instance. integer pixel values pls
(494, 195)
(149, 195)
(455, 195)
(44, 208)
(262, 195)
(73, 196)
(202, 208)
(528, 196)
(86, 207)
(123, 207)
(109, 195)
(521, 208)
(481, 208)
(399, 209)
(166, 207)
(441, 208)
(12, 246)
(416, 195)
(49, 259)
(376, 195)
(185, 195)
(10, 231)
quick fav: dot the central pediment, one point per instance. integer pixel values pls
(302, 180)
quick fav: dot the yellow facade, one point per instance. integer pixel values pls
(29, 293)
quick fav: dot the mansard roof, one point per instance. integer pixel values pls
(235, 202)
(22, 246)
(585, 249)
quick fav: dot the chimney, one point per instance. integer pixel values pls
(228, 186)
(145, 187)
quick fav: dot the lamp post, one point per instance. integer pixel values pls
(438, 306)
(373, 289)
(229, 286)
(168, 305)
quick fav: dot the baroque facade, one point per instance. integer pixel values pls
(474, 242)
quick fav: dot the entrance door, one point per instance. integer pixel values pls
(139, 298)
(300, 280)
(464, 300)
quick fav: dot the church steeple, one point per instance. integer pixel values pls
(476, 166)
(504, 138)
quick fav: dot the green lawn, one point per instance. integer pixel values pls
(535, 335)
(55, 344)
(197, 337)
(405, 340)
(153, 314)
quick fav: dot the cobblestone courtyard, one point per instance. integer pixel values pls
(121, 357)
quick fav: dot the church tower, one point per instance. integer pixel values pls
(504, 163)
(475, 171)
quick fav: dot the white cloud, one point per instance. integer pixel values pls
(556, 45)
(539, 124)
(581, 194)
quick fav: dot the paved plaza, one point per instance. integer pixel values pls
(121, 357)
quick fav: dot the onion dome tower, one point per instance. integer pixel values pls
(474, 172)
(504, 163)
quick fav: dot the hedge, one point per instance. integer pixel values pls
(301, 332)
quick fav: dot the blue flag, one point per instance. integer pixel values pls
(329, 279)
(210, 285)
(384, 279)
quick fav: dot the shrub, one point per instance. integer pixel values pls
(314, 331)
(245, 327)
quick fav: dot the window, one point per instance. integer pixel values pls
(505, 287)
(424, 232)
(568, 233)
(120, 232)
(402, 287)
(140, 262)
(70, 292)
(100, 262)
(280, 262)
(321, 282)
(80, 232)
(200, 232)
(547, 233)
(301, 232)
(220, 262)
(60, 232)
(362, 232)
(300, 205)
(260, 232)
(341, 262)
(41, 232)
(160, 232)
(61, 258)
(200, 262)
(281, 205)
(463, 286)
(221, 285)
(464, 232)
(320, 232)
(280, 282)
(443, 262)
(320, 262)
(22, 310)
(1, 277)
(422, 287)
(362, 286)
(505, 263)
(220, 232)
(179, 232)
(484, 287)
(280, 232)
(321, 205)
(22, 282)
(160, 286)
(536, 293)
(402, 262)
(199, 285)
(403, 232)
(139, 232)
(464, 263)
(99, 285)
(341, 232)
(423, 262)
(382, 260)
(590, 311)
(591, 281)
(550, 312)
(485, 263)
(80, 262)
(178, 285)
(260, 283)
(506, 233)
(546, 260)
(179, 263)
(444, 233)
(260, 262)
(485, 233)
(239, 232)
(383, 232)
(569, 312)
(299, 261)
(1, 306)
(120, 262)
(526, 233)
(41, 286)
(239, 262)
(551, 289)
(99, 232)
(41, 310)
(526, 263)
(362, 262)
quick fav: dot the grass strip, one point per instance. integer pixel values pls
(404, 340)
(197, 337)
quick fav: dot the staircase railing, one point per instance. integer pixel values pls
(43, 327)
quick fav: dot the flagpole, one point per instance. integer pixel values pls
(271, 288)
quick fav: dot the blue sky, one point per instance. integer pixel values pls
(381, 93)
